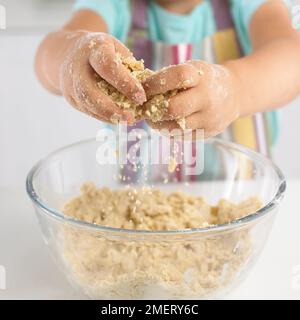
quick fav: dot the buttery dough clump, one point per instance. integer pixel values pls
(110, 265)
(138, 70)
(154, 109)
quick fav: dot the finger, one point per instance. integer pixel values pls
(167, 125)
(200, 120)
(107, 63)
(90, 97)
(181, 76)
(121, 48)
(172, 129)
(200, 65)
(113, 120)
(195, 121)
(184, 104)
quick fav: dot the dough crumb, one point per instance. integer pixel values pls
(182, 123)
(172, 165)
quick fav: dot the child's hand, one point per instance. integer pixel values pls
(93, 53)
(211, 102)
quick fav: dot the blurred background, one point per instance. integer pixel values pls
(34, 123)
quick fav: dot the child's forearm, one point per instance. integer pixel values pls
(270, 77)
(54, 48)
(50, 57)
(71, 61)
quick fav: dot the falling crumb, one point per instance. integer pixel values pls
(172, 165)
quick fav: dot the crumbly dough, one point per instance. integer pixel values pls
(122, 266)
(138, 70)
(154, 109)
(157, 107)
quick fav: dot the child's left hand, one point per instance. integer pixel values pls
(211, 103)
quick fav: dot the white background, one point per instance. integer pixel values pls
(33, 122)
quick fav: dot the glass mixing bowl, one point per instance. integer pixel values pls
(111, 263)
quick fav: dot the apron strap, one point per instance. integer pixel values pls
(139, 14)
(223, 18)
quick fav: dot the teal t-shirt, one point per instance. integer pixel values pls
(173, 28)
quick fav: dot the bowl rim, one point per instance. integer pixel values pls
(238, 223)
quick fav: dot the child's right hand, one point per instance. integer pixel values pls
(92, 53)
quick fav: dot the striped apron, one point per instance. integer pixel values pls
(254, 131)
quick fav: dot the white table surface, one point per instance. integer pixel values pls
(31, 273)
